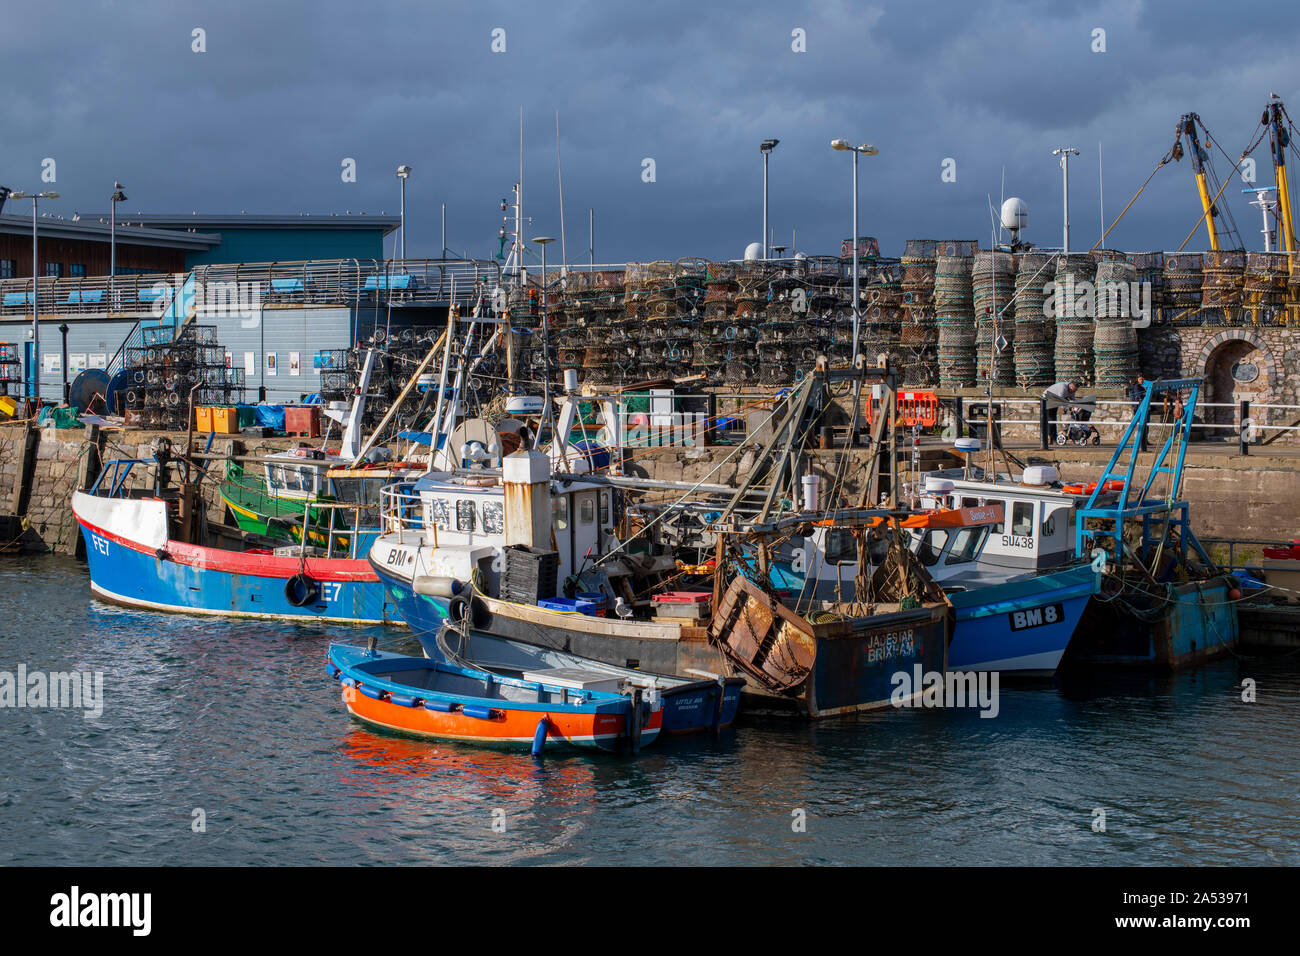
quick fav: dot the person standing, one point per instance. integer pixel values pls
(1056, 395)
(1136, 393)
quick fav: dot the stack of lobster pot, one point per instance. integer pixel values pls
(955, 313)
(597, 297)
(1035, 333)
(993, 286)
(1182, 284)
(1264, 289)
(1222, 277)
(882, 315)
(918, 334)
(1074, 326)
(1114, 342)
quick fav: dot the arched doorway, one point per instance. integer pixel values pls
(1236, 369)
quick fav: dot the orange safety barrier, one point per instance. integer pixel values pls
(914, 408)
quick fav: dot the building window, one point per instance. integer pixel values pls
(54, 269)
(77, 269)
(8, 268)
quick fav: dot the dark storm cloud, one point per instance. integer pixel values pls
(285, 91)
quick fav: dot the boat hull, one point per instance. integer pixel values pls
(605, 725)
(800, 669)
(1198, 623)
(1023, 627)
(133, 563)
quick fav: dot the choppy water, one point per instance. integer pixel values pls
(240, 720)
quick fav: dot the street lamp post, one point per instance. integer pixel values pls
(403, 171)
(117, 197)
(544, 241)
(36, 282)
(865, 149)
(1065, 152)
(766, 148)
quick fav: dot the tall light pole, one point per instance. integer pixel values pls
(1064, 152)
(865, 149)
(544, 241)
(36, 282)
(766, 148)
(117, 197)
(403, 171)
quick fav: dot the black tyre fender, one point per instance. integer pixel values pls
(301, 590)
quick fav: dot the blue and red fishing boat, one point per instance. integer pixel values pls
(146, 548)
(442, 701)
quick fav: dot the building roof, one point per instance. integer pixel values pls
(244, 221)
(93, 230)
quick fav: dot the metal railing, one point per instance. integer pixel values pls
(350, 282)
(400, 510)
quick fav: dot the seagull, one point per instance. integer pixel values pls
(621, 609)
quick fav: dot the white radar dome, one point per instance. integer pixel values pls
(1015, 214)
(753, 251)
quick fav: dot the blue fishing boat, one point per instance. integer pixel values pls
(442, 701)
(145, 548)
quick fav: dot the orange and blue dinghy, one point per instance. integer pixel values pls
(441, 701)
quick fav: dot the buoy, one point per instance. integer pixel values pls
(1234, 594)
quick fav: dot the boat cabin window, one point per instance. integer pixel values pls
(465, 514)
(587, 510)
(606, 512)
(560, 513)
(966, 544)
(440, 513)
(493, 518)
(932, 546)
(840, 546)
(1001, 526)
(1022, 519)
(1049, 525)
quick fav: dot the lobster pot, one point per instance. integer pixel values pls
(1223, 275)
(1074, 350)
(1034, 271)
(1150, 269)
(952, 286)
(1034, 361)
(993, 284)
(1182, 283)
(1113, 289)
(956, 353)
(1265, 283)
(1071, 272)
(1001, 366)
(1115, 350)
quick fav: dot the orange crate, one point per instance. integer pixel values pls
(203, 418)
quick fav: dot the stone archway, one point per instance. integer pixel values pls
(1237, 366)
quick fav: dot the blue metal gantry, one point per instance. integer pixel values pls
(1108, 519)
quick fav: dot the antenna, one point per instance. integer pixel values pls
(1101, 195)
(559, 173)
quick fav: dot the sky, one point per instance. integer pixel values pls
(263, 119)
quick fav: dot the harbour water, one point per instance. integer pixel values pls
(238, 719)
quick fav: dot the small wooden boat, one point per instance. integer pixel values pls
(693, 704)
(437, 700)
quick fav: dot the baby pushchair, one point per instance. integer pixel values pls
(1078, 431)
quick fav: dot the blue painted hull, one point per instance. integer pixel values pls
(423, 614)
(183, 583)
(1022, 627)
(1188, 624)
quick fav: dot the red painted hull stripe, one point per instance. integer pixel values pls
(257, 565)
